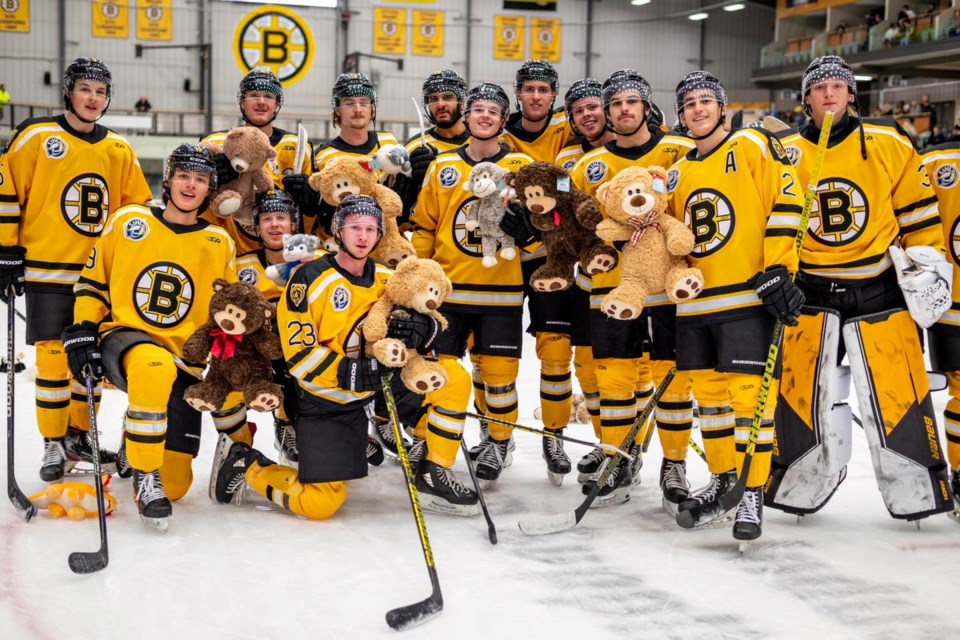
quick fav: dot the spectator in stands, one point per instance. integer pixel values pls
(927, 108)
(900, 109)
(143, 105)
(954, 29)
(932, 9)
(955, 134)
(907, 30)
(891, 36)
(936, 137)
(842, 27)
(4, 99)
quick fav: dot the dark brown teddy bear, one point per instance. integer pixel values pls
(566, 218)
(240, 345)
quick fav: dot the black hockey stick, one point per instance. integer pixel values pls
(91, 561)
(17, 497)
(417, 613)
(710, 511)
(538, 525)
(546, 433)
(491, 529)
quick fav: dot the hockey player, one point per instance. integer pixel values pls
(537, 129)
(739, 195)
(486, 303)
(60, 179)
(260, 98)
(624, 381)
(872, 194)
(144, 290)
(942, 163)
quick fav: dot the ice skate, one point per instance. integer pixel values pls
(383, 432)
(558, 463)
(674, 484)
(54, 460)
(374, 451)
(442, 492)
(715, 487)
(155, 509)
(124, 470)
(616, 488)
(495, 457)
(78, 449)
(416, 453)
(286, 443)
(749, 519)
(955, 489)
(589, 464)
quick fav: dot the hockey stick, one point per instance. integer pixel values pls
(491, 529)
(415, 614)
(709, 511)
(91, 561)
(546, 433)
(538, 525)
(17, 497)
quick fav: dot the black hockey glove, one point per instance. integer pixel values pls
(516, 224)
(11, 269)
(779, 294)
(298, 186)
(325, 212)
(409, 190)
(360, 374)
(415, 330)
(420, 159)
(80, 341)
(225, 171)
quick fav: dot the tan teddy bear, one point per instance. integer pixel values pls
(248, 149)
(421, 285)
(348, 175)
(635, 202)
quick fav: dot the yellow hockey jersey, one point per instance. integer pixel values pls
(863, 205)
(150, 275)
(742, 201)
(543, 145)
(436, 140)
(570, 154)
(601, 164)
(320, 317)
(58, 187)
(943, 169)
(251, 268)
(337, 147)
(440, 233)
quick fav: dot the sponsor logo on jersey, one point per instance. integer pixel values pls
(449, 176)
(297, 293)
(340, 298)
(596, 171)
(839, 213)
(163, 294)
(84, 204)
(136, 229)
(947, 176)
(55, 148)
(793, 154)
(672, 178)
(249, 275)
(709, 215)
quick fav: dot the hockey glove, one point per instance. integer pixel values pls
(80, 341)
(782, 298)
(409, 190)
(415, 330)
(516, 224)
(225, 171)
(298, 186)
(11, 269)
(420, 159)
(325, 213)
(360, 374)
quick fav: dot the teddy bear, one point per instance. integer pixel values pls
(421, 285)
(635, 202)
(297, 249)
(241, 347)
(248, 149)
(566, 218)
(486, 182)
(349, 175)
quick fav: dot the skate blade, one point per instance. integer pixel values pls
(635, 481)
(219, 455)
(744, 547)
(670, 507)
(487, 485)
(287, 462)
(556, 479)
(615, 497)
(439, 505)
(724, 521)
(82, 468)
(158, 525)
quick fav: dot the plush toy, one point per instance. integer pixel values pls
(241, 347)
(76, 500)
(419, 284)
(635, 201)
(345, 176)
(566, 218)
(486, 182)
(248, 149)
(579, 412)
(297, 249)
(392, 159)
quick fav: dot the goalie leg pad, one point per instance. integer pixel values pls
(890, 379)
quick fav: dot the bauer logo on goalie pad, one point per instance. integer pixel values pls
(947, 176)
(136, 229)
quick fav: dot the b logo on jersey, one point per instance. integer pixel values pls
(469, 242)
(449, 176)
(353, 345)
(340, 298)
(673, 177)
(793, 154)
(596, 171)
(136, 229)
(84, 204)
(839, 213)
(55, 148)
(248, 275)
(163, 294)
(709, 215)
(947, 176)
(953, 241)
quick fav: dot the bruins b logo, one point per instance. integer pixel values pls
(469, 242)
(839, 213)
(163, 294)
(709, 215)
(84, 204)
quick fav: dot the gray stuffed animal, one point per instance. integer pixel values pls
(486, 182)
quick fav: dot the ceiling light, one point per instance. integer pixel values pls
(734, 7)
(863, 78)
(639, 3)
(699, 16)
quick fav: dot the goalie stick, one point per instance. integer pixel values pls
(17, 497)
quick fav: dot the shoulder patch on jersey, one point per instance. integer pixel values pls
(55, 147)
(248, 275)
(596, 171)
(569, 165)
(297, 293)
(793, 154)
(947, 176)
(136, 229)
(778, 151)
(340, 299)
(673, 177)
(449, 176)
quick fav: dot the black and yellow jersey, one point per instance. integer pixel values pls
(943, 169)
(337, 147)
(543, 145)
(58, 187)
(440, 233)
(602, 164)
(251, 268)
(437, 141)
(147, 274)
(570, 154)
(320, 317)
(743, 203)
(863, 205)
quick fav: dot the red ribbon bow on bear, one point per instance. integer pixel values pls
(640, 227)
(224, 344)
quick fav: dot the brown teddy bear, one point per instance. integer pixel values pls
(419, 284)
(248, 149)
(635, 202)
(241, 348)
(566, 218)
(348, 175)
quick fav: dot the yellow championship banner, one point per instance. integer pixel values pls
(110, 19)
(389, 31)
(275, 38)
(427, 33)
(154, 20)
(15, 15)
(545, 39)
(508, 38)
